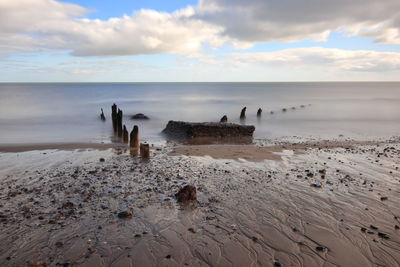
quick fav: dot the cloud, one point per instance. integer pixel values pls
(320, 58)
(41, 25)
(62, 27)
(289, 20)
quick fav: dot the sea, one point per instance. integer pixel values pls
(32, 113)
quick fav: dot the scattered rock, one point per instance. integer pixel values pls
(125, 215)
(384, 198)
(320, 248)
(140, 116)
(102, 160)
(187, 193)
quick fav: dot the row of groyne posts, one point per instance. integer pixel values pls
(121, 132)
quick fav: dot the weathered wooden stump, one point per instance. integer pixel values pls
(224, 119)
(259, 111)
(119, 123)
(243, 113)
(114, 116)
(102, 117)
(145, 152)
(134, 141)
(125, 135)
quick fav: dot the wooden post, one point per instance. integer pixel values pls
(125, 135)
(102, 117)
(243, 113)
(145, 152)
(134, 141)
(119, 123)
(114, 116)
(224, 119)
(259, 111)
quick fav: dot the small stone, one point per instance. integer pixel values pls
(125, 215)
(168, 256)
(191, 230)
(187, 193)
(373, 227)
(102, 160)
(384, 198)
(277, 264)
(320, 248)
(59, 244)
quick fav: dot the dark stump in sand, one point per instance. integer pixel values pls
(125, 135)
(190, 130)
(224, 119)
(187, 193)
(140, 116)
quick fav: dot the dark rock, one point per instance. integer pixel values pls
(384, 198)
(184, 130)
(140, 116)
(168, 256)
(259, 111)
(284, 109)
(383, 235)
(125, 215)
(102, 160)
(224, 119)
(59, 244)
(277, 264)
(320, 248)
(187, 193)
(373, 227)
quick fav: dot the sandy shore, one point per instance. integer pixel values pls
(257, 208)
(13, 148)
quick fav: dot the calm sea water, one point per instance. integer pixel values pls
(58, 112)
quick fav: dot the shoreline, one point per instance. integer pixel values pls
(14, 148)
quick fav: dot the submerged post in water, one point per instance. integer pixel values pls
(243, 113)
(102, 117)
(125, 135)
(224, 119)
(145, 152)
(259, 111)
(119, 123)
(114, 116)
(134, 141)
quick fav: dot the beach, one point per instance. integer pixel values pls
(295, 203)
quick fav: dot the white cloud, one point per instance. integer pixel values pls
(22, 27)
(294, 20)
(320, 58)
(38, 25)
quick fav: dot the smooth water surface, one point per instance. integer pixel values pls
(59, 112)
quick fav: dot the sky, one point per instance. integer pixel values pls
(199, 40)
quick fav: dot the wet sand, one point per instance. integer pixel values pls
(60, 208)
(13, 148)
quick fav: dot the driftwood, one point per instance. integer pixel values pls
(125, 135)
(243, 113)
(114, 116)
(134, 141)
(145, 152)
(185, 130)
